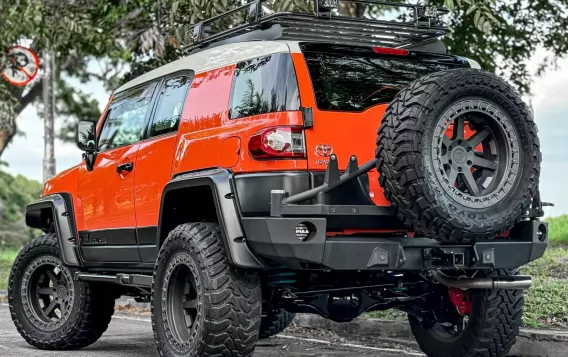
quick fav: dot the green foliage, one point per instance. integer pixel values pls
(558, 230)
(546, 300)
(145, 34)
(16, 192)
(76, 32)
(7, 257)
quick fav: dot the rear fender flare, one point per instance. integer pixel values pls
(57, 209)
(220, 182)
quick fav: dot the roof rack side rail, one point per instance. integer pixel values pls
(425, 25)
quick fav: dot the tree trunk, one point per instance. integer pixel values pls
(49, 117)
(7, 130)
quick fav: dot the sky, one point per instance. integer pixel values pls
(549, 99)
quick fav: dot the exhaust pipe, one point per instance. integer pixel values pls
(512, 282)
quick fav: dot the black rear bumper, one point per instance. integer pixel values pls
(275, 239)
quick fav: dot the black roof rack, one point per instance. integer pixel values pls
(322, 25)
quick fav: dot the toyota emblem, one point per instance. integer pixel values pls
(324, 150)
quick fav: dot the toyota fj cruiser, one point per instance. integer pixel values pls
(226, 189)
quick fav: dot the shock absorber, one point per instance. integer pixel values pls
(280, 277)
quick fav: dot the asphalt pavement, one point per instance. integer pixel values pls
(132, 336)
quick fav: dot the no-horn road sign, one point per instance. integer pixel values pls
(22, 66)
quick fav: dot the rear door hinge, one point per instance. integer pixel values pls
(308, 117)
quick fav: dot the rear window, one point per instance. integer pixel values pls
(264, 85)
(354, 83)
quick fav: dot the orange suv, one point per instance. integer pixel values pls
(226, 189)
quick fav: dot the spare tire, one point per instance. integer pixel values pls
(458, 155)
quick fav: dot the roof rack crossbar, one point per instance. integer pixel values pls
(322, 25)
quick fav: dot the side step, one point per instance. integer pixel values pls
(135, 280)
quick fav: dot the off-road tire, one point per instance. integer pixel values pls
(89, 316)
(274, 321)
(494, 323)
(409, 176)
(228, 311)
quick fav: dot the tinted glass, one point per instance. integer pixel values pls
(124, 123)
(264, 85)
(170, 104)
(352, 83)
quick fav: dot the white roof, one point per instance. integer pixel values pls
(216, 57)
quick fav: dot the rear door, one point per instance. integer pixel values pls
(352, 88)
(154, 160)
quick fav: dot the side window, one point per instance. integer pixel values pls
(170, 105)
(124, 122)
(264, 85)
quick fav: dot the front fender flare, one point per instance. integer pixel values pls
(221, 183)
(57, 210)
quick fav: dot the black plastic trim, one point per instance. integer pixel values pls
(108, 237)
(219, 180)
(253, 190)
(148, 253)
(147, 235)
(121, 267)
(110, 253)
(63, 217)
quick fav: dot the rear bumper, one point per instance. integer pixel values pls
(275, 239)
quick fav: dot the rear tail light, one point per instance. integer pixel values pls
(390, 51)
(274, 143)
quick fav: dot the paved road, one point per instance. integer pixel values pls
(132, 336)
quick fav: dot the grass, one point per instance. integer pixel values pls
(7, 257)
(558, 230)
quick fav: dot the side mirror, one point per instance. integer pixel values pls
(86, 140)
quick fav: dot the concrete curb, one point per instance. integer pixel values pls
(530, 343)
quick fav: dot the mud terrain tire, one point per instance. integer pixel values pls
(494, 323)
(452, 195)
(275, 321)
(87, 307)
(220, 307)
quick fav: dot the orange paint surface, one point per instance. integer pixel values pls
(151, 174)
(105, 199)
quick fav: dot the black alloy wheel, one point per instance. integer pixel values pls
(50, 309)
(182, 301)
(49, 293)
(477, 150)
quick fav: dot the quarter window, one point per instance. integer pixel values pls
(125, 119)
(264, 85)
(170, 104)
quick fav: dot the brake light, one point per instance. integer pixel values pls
(390, 51)
(274, 143)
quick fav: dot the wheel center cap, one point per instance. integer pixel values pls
(459, 155)
(61, 292)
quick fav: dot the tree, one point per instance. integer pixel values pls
(501, 35)
(76, 31)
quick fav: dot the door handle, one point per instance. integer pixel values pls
(127, 166)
